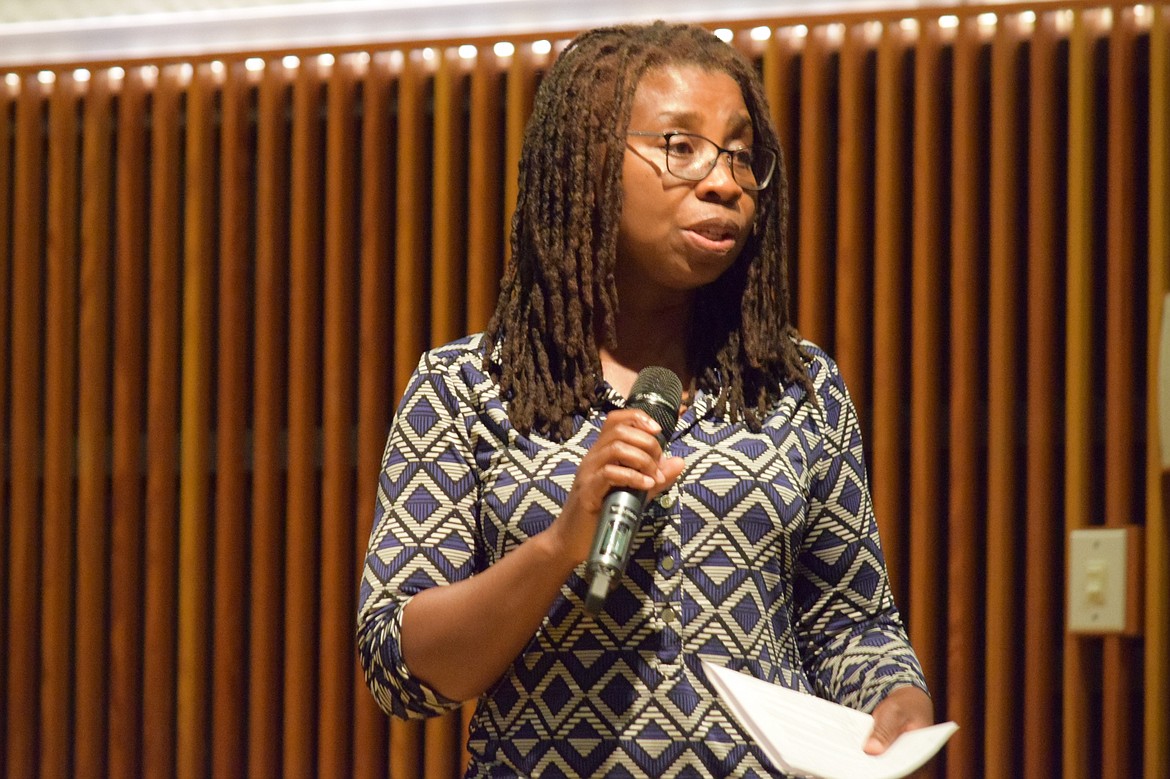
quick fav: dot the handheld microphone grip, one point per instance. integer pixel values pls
(658, 392)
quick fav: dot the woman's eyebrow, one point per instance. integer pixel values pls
(679, 117)
(737, 123)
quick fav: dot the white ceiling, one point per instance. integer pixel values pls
(37, 33)
(41, 10)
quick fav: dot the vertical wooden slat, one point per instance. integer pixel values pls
(1122, 658)
(269, 456)
(411, 334)
(302, 544)
(968, 424)
(854, 260)
(1079, 670)
(780, 66)
(91, 648)
(371, 726)
(410, 324)
(195, 504)
(891, 302)
(484, 192)
(927, 456)
(780, 63)
(60, 354)
(449, 182)
(337, 644)
(230, 530)
(815, 254)
(162, 485)
(1005, 536)
(1043, 545)
(448, 307)
(518, 107)
(1156, 740)
(7, 197)
(24, 509)
(127, 549)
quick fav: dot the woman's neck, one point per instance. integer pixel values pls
(647, 337)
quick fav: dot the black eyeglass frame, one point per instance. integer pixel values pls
(720, 151)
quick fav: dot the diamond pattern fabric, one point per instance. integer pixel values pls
(764, 557)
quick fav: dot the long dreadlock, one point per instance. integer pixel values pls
(559, 293)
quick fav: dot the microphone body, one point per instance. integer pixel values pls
(658, 392)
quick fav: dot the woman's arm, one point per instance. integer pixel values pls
(854, 644)
(460, 638)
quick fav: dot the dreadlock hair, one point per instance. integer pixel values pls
(558, 294)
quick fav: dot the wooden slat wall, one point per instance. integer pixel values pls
(216, 276)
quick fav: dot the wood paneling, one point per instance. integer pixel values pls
(217, 276)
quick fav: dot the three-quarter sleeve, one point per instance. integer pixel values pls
(423, 532)
(848, 628)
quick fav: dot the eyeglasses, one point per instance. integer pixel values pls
(693, 157)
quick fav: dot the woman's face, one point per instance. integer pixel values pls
(677, 235)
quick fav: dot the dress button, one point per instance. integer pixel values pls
(668, 615)
(668, 563)
(666, 499)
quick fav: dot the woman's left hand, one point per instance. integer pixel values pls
(906, 708)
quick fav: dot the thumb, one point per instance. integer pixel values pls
(879, 740)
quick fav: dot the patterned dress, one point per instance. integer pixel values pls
(763, 557)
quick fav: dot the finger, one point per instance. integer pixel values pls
(670, 468)
(887, 724)
(879, 740)
(625, 460)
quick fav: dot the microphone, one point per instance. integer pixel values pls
(658, 392)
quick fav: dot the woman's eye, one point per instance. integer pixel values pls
(680, 147)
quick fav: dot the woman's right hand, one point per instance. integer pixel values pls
(627, 455)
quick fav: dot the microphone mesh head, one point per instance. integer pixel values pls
(658, 392)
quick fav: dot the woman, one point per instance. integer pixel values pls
(649, 230)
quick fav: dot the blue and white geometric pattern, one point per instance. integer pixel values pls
(763, 557)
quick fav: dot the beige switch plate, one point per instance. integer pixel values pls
(1104, 580)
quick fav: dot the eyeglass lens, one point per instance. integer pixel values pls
(692, 157)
